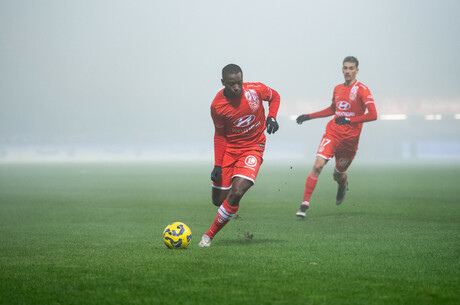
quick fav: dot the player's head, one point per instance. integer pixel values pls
(350, 69)
(232, 80)
(351, 59)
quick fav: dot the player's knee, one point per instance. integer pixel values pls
(218, 197)
(217, 203)
(317, 169)
(235, 195)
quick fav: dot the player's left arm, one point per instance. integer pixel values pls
(274, 100)
(220, 144)
(368, 100)
(370, 115)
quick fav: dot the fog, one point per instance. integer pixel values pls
(133, 80)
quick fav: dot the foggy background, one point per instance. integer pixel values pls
(134, 80)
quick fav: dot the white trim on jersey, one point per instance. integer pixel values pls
(324, 157)
(221, 188)
(245, 177)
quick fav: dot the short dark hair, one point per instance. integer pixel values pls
(351, 59)
(231, 69)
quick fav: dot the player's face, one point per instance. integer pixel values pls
(233, 84)
(349, 71)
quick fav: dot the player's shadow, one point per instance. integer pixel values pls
(248, 241)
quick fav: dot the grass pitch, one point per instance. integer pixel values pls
(92, 234)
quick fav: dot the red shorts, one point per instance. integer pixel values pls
(344, 151)
(244, 164)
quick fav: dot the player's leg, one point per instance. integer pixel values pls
(221, 188)
(227, 210)
(239, 187)
(342, 188)
(245, 172)
(230, 205)
(325, 152)
(310, 185)
(344, 157)
(218, 196)
(312, 178)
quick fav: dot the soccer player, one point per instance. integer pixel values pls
(349, 103)
(239, 142)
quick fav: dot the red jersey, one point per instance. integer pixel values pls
(351, 102)
(241, 121)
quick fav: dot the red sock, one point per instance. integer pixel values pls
(309, 187)
(224, 214)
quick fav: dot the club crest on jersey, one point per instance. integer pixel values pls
(353, 92)
(343, 105)
(250, 161)
(252, 98)
(244, 121)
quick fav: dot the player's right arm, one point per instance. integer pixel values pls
(320, 114)
(220, 144)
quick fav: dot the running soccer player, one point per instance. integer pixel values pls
(349, 103)
(239, 142)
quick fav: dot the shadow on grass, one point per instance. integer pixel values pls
(248, 242)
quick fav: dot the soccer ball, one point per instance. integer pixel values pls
(177, 235)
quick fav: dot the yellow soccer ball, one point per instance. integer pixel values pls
(177, 235)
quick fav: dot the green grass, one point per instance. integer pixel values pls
(92, 234)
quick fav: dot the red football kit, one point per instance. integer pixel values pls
(239, 139)
(341, 141)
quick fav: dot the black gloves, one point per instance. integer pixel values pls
(342, 120)
(216, 173)
(302, 118)
(272, 125)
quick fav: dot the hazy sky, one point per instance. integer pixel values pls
(150, 69)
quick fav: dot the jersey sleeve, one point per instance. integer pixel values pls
(216, 118)
(273, 98)
(220, 145)
(274, 103)
(325, 112)
(368, 101)
(220, 139)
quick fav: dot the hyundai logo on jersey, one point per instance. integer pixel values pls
(343, 105)
(244, 121)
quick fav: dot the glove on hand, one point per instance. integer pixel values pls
(342, 120)
(272, 125)
(216, 173)
(302, 118)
